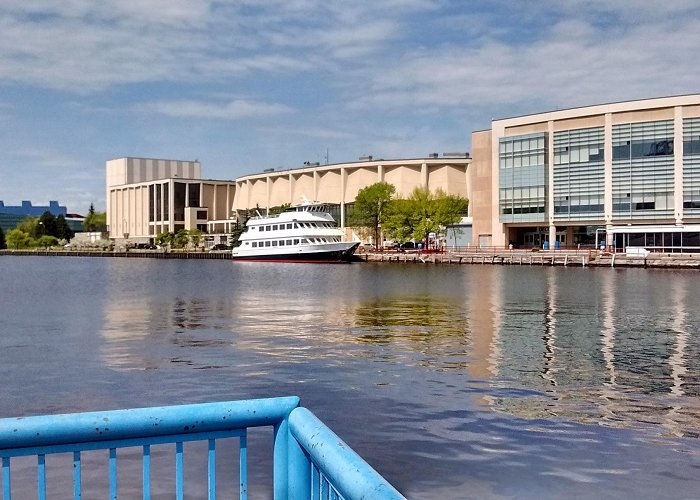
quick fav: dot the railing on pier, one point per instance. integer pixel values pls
(309, 460)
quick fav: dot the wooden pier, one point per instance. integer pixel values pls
(564, 258)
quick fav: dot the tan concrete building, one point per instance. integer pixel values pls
(339, 184)
(621, 174)
(149, 196)
(627, 174)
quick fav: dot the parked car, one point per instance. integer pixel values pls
(220, 246)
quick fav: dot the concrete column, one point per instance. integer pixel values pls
(268, 190)
(549, 199)
(552, 236)
(171, 204)
(248, 195)
(424, 175)
(380, 173)
(607, 170)
(343, 183)
(678, 164)
(315, 197)
(291, 188)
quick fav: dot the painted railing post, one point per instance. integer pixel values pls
(349, 474)
(299, 479)
(280, 473)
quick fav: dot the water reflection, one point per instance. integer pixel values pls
(591, 346)
(635, 376)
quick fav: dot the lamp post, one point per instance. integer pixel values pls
(125, 227)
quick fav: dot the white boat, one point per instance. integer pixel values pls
(306, 233)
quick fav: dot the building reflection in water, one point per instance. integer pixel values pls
(550, 330)
(609, 392)
(596, 346)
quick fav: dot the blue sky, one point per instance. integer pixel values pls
(253, 84)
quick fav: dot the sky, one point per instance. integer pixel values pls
(247, 85)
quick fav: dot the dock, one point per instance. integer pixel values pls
(476, 256)
(564, 258)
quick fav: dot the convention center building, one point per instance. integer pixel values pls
(621, 174)
(617, 175)
(148, 196)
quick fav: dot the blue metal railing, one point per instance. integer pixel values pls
(309, 460)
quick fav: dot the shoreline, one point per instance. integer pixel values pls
(562, 258)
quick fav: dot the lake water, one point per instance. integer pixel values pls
(452, 381)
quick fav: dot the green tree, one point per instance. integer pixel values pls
(279, 209)
(424, 213)
(397, 224)
(165, 239)
(181, 238)
(2, 240)
(195, 236)
(238, 230)
(370, 211)
(47, 241)
(16, 238)
(47, 225)
(30, 226)
(63, 231)
(95, 221)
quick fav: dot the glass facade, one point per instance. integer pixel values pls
(579, 174)
(179, 190)
(667, 242)
(522, 178)
(642, 170)
(691, 166)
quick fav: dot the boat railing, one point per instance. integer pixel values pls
(309, 460)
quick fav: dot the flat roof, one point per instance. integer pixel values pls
(648, 101)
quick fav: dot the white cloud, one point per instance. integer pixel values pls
(232, 110)
(572, 63)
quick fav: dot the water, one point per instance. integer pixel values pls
(452, 381)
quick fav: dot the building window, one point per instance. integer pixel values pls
(691, 166)
(522, 179)
(193, 198)
(179, 189)
(579, 174)
(643, 170)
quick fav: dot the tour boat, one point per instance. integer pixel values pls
(305, 233)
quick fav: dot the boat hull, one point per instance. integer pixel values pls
(309, 256)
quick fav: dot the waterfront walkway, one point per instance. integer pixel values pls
(479, 256)
(574, 257)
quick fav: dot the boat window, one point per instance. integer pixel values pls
(267, 243)
(274, 228)
(296, 242)
(289, 226)
(255, 244)
(281, 243)
(296, 226)
(274, 243)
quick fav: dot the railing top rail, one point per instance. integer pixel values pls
(346, 470)
(48, 430)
